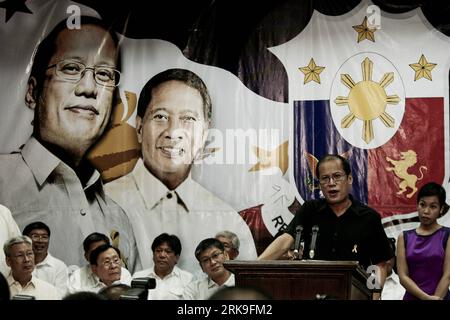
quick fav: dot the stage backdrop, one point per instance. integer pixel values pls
(290, 81)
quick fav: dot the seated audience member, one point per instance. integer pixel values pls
(170, 280)
(240, 293)
(114, 291)
(8, 229)
(83, 277)
(211, 254)
(48, 268)
(20, 258)
(4, 288)
(392, 289)
(84, 295)
(106, 266)
(230, 242)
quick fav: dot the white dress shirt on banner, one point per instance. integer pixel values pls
(190, 212)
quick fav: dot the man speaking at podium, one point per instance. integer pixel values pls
(337, 227)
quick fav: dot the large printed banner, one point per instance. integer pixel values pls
(369, 84)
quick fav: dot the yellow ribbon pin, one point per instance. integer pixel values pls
(355, 248)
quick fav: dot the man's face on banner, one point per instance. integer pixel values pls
(173, 130)
(75, 113)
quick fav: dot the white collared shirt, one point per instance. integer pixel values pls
(8, 229)
(53, 271)
(83, 279)
(171, 287)
(392, 289)
(37, 186)
(204, 288)
(190, 212)
(37, 288)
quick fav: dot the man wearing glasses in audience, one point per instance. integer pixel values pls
(47, 267)
(211, 254)
(71, 89)
(347, 229)
(107, 268)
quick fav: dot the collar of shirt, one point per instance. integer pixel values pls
(42, 163)
(49, 261)
(393, 277)
(228, 283)
(13, 282)
(324, 206)
(151, 273)
(145, 180)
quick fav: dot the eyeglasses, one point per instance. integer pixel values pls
(215, 256)
(337, 177)
(109, 263)
(73, 71)
(40, 237)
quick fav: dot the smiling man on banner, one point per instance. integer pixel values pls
(71, 90)
(172, 123)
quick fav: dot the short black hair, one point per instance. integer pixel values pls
(47, 47)
(206, 244)
(100, 249)
(172, 240)
(188, 77)
(328, 157)
(35, 225)
(92, 238)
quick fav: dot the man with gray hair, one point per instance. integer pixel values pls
(20, 258)
(230, 242)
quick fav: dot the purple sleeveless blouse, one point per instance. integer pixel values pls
(425, 258)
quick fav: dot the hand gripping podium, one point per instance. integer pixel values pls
(307, 279)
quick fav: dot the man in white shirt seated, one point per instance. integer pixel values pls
(392, 289)
(170, 280)
(48, 268)
(211, 254)
(20, 258)
(106, 267)
(8, 229)
(84, 277)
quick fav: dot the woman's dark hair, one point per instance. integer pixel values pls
(434, 189)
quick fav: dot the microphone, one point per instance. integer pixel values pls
(298, 236)
(312, 247)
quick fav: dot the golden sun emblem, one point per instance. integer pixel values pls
(367, 100)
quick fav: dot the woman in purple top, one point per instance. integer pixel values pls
(423, 257)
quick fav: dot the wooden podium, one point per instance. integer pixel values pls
(285, 279)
